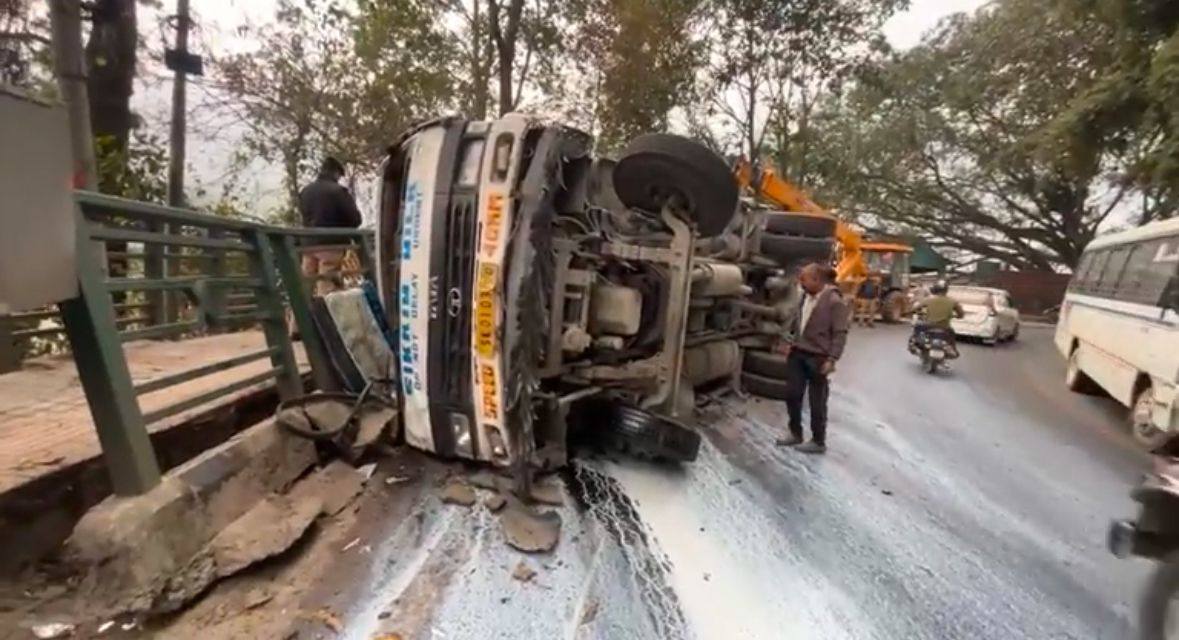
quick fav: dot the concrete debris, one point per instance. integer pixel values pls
(529, 531)
(336, 485)
(367, 470)
(257, 597)
(326, 618)
(53, 630)
(548, 491)
(485, 480)
(266, 530)
(590, 612)
(494, 502)
(355, 541)
(458, 492)
(523, 572)
(104, 627)
(391, 480)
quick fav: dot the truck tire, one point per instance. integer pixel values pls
(892, 307)
(789, 249)
(1159, 596)
(800, 224)
(657, 166)
(636, 431)
(766, 364)
(765, 387)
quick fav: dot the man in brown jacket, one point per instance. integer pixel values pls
(819, 335)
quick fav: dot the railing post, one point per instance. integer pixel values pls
(290, 384)
(300, 304)
(153, 267)
(10, 352)
(89, 321)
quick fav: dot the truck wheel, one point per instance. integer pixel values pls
(765, 363)
(636, 431)
(1142, 422)
(800, 224)
(656, 167)
(892, 308)
(789, 249)
(1159, 610)
(765, 387)
(1076, 380)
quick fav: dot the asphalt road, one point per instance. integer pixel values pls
(972, 504)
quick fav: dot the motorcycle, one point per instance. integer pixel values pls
(933, 345)
(1155, 535)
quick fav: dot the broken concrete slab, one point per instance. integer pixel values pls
(130, 548)
(268, 529)
(494, 502)
(458, 492)
(549, 491)
(487, 480)
(336, 485)
(530, 531)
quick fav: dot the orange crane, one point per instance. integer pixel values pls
(859, 259)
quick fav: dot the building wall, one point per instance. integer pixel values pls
(1032, 292)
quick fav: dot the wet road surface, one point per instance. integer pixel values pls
(972, 504)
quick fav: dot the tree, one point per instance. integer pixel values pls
(638, 59)
(110, 61)
(1132, 106)
(943, 140)
(326, 79)
(762, 49)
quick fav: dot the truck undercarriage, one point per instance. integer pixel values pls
(537, 291)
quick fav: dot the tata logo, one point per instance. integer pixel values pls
(454, 302)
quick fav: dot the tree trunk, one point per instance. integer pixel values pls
(110, 56)
(480, 64)
(505, 31)
(70, 69)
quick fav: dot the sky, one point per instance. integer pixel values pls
(210, 142)
(904, 30)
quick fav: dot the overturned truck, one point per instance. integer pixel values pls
(539, 293)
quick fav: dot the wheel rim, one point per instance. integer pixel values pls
(1171, 618)
(1144, 427)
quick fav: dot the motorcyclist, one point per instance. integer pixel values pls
(938, 310)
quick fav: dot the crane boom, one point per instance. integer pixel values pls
(851, 268)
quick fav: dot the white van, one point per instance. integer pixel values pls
(1119, 326)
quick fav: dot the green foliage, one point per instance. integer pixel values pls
(769, 58)
(640, 58)
(139, 172)
(1132, 105)
(947, 139)
(328, 79)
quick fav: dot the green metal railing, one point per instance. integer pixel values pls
(240, 274)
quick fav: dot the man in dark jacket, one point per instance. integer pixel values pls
(327, 203)
(819, 335)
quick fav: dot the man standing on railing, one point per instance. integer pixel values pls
(327, 203)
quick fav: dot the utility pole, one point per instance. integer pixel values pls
(66, 20)
(163, 306)
(175, 60)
